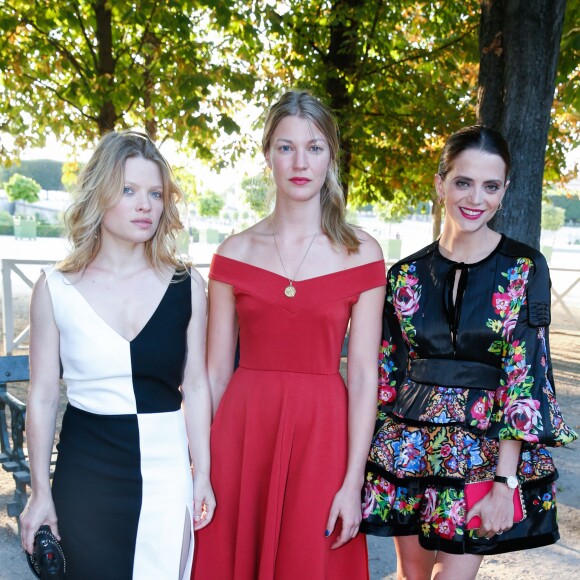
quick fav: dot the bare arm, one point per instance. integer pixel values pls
(197, 405)
(222, 338)
(364, 340)
(42, 405)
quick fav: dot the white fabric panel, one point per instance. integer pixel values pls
(160, 531)
(85, 341)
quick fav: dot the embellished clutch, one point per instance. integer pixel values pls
(479, 489)
(47, 560)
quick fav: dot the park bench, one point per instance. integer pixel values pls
(13, 454)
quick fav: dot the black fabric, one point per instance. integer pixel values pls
(159, 351)
(454, 373)
(97, 491)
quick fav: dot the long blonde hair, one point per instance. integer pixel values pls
(100, 186)
(303, 104)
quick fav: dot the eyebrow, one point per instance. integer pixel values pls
(465, 178)
(309, 140)
(133, 184)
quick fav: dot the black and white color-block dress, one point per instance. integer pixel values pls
(122, 486)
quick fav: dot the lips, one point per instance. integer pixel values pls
(142, 223)
(300, 180)
(471, 214)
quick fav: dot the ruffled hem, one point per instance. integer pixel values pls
(437, 514)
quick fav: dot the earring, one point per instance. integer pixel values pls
(440, 199)
(500, 206)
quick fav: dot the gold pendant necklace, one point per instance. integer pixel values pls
(290, 290)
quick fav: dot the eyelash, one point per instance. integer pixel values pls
(155, 194)
(288, 148)
(464, 184)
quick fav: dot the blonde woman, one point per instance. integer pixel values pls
(126, 318)
(289, 440)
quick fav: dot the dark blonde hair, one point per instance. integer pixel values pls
(302, 104)
(100, 187)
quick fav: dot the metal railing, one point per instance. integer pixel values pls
(11, 266)
(8, 268)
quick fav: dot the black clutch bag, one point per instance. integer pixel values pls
(47, 560)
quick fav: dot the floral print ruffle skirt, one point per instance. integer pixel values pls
(424, 494)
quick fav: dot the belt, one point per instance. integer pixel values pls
(455, 373)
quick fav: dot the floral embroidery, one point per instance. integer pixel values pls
(406, 293)
(508, 302)
(445, 405)
(387, 390)
(546, 501)
(481, 411)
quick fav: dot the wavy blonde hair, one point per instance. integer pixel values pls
(100, 187)
(303, 104)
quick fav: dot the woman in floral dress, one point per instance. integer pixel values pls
(466, 387)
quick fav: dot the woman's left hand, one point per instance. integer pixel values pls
(496, 511)
(203, 502)
(348, 507)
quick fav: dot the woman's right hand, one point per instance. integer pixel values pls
(38, 511)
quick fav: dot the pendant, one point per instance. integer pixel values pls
(290, 291)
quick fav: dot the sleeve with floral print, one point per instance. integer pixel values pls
(393, 353)
(525, 403)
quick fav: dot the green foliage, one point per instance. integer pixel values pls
(70, 172)
(46, 172)
(552, 217)
(5, 218)
(570, 204)
(175, 69)
(187, 182)
(22, 188)
(399, 76)
(210, 205)
(256, 190)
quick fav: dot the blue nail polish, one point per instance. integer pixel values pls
(326, 533)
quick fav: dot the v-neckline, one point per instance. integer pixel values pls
(99, 317)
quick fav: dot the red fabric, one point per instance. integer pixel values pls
(279, 439)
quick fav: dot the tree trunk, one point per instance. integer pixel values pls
(519, 46)
(342, 61)
(105, 64)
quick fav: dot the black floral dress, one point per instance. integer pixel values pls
(457, 376)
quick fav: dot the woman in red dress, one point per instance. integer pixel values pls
(289, 440)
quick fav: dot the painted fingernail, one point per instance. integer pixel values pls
(326, 533)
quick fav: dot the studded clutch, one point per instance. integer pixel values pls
(47, 560)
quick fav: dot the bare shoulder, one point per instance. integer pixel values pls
(369, 249)
(198, 285)
(241, 246)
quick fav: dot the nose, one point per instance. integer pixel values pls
(300, 159)
(476, 194)
(143, 201)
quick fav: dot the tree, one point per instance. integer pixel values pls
(399, 75)
(256, 191)
(519, 45)
(22, 188)
(552, 217)
(79, 69)
(210, 204)
(46, 172)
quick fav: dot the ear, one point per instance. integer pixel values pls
(438, 181)
(506, 186)
(267, 157)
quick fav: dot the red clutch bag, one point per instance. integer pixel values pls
(476, 491)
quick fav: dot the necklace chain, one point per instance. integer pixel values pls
(290, 290)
